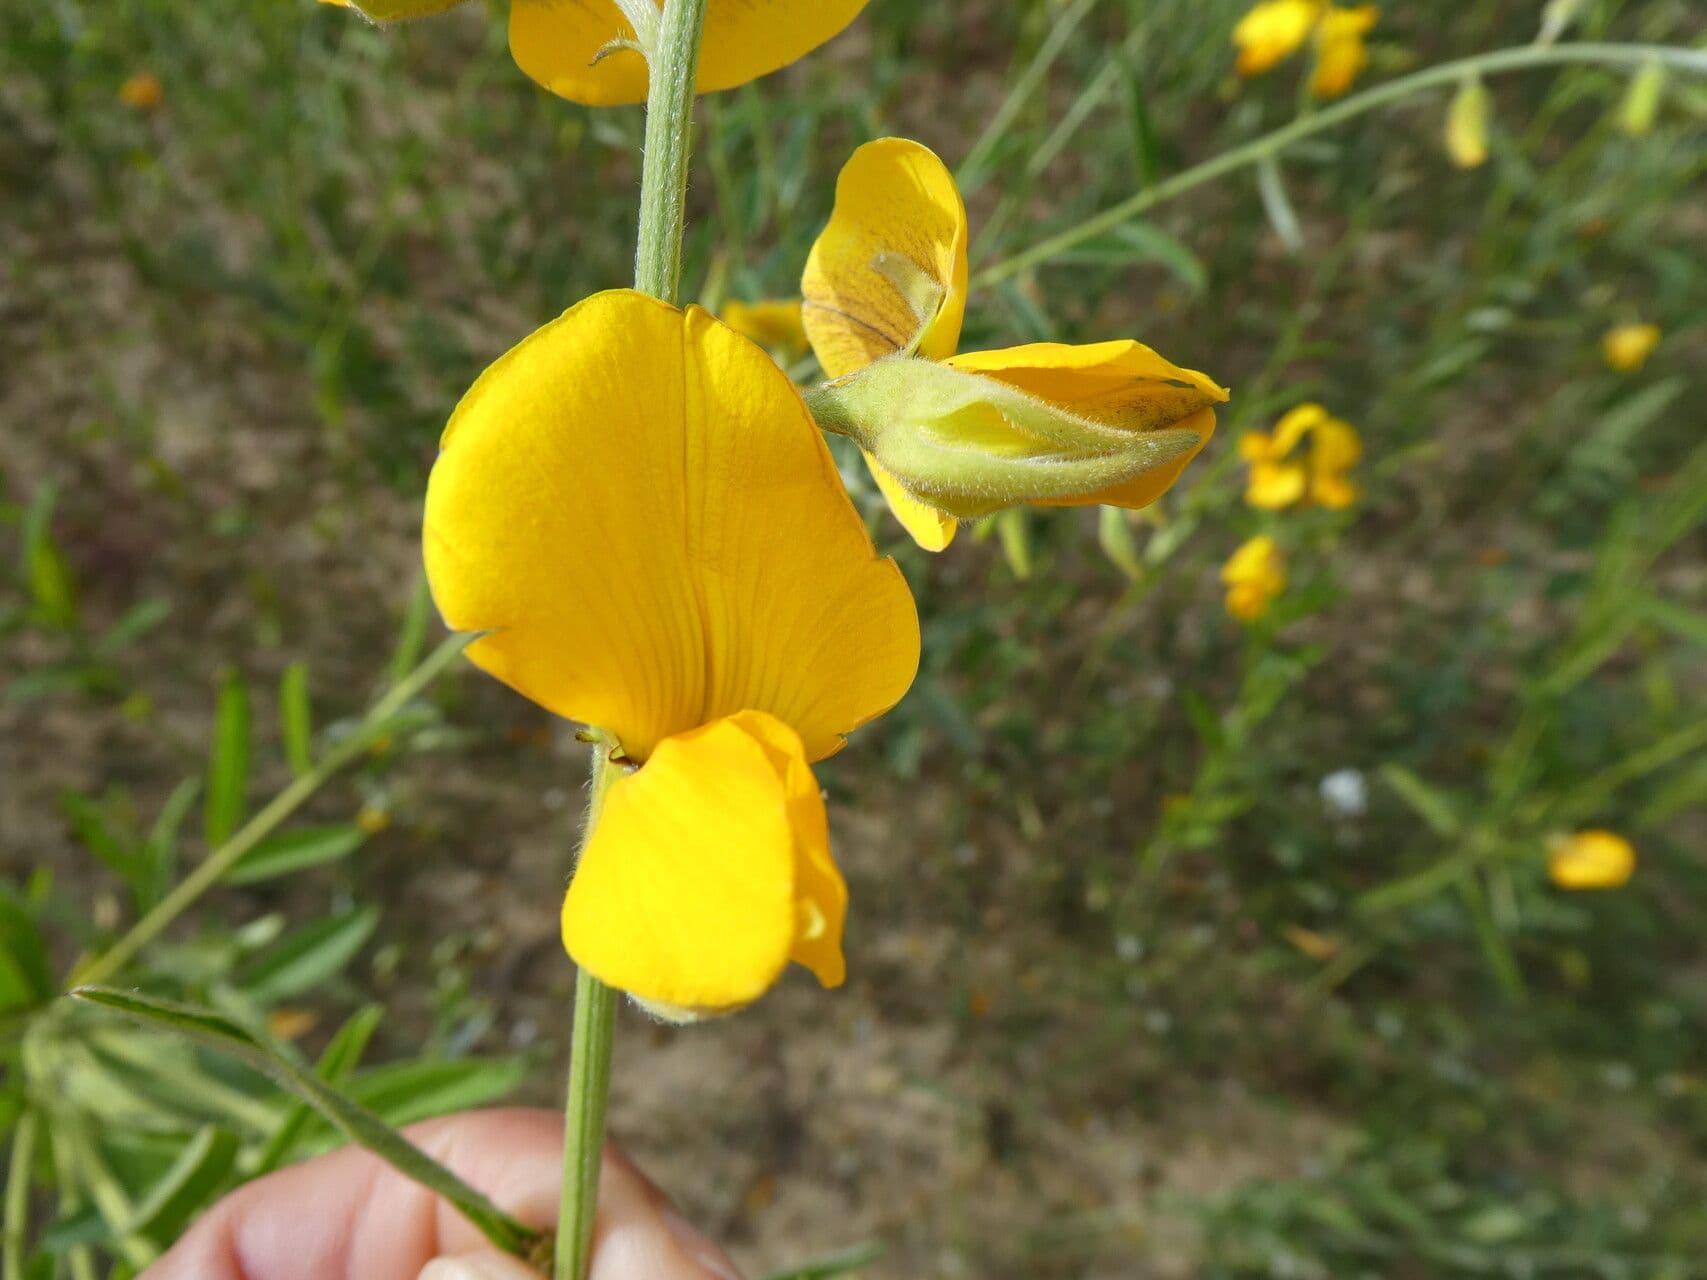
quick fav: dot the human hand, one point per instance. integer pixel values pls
(350, 1214)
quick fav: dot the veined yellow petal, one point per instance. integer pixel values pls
(636, 505)
(556, 41)
(1272, 31)
(708, 871)
(889, 271)
(1121, 384)
(931, 529)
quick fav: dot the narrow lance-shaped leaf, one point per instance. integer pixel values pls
(228, 764)
(351, 1119)
(296, 718)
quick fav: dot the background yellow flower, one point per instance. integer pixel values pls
(1591, 860)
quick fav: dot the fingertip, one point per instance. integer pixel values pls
(478, 1266)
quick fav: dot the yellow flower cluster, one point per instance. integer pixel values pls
(1274, 30)
(1254, 576)
(1307, 458)
(635, 515)
(1626, 347)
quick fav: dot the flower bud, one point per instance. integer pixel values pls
(1467, 125)
(1642, 101)
(970, 444)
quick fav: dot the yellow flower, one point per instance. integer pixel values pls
(142, 92)
(566, 45)
(1280, 478)
(1626, 347)
(1340, 52)
(1254, 575)
(771, 322)
(1591, 860)
(888, 277)
(635, 508)
(1274, 30)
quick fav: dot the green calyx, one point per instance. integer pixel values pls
(970, 445)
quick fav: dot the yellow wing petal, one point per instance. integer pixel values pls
(1121, 384)
(931, 529)
(771, 322)
(555, 42)
(890, 268)
(635, 503)
(708, 871)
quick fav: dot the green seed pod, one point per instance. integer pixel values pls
(1642, 101)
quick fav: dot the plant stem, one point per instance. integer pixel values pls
(672, 74)
(217, 864)
(590, 1045)
(17, 1220)
(674, 69)
(1329, 117)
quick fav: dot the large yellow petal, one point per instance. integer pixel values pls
(1120, 384)
(708, 871)
(636, 505)
(889, 270)
(555, 42)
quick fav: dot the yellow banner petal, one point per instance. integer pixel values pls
(556, 41)
(1119, 384)
(890, 269)
(636, 505)
(708, 871)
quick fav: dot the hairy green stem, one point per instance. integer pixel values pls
(219, 863)
(1270, 144)
(672, 74)
(673, 70)
(590, 1046)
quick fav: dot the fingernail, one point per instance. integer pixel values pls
(696, 1246)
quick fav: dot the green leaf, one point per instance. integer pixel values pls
(45, 570)
(337, 1062)
(1013, 529)
(404, 1092)
(308, 956)
(196, 1176)
(351, 1119)
(1429, 804)
(94, 831)
(228, 767)
(412, 639)
(1114, 535)
(160, 850)
(137, 622)
(843, 1262)
(295, 851)
(296, 718)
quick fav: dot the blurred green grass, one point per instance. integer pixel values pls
(1083, 851)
